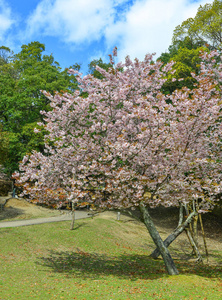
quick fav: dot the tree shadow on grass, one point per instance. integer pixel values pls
(93, 265)
(10, 213)
(126, 266)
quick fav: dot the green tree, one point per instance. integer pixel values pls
(4, 146)
(5, 55)
(36, 72)
(22, 78)
(187, 61)
(204, 28)
(173, 49)
(193, 36)
(98, 62)
(70, 78)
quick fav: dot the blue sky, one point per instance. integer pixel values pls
(78, 31)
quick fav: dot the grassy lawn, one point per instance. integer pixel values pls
(19, 209)
(101, 259)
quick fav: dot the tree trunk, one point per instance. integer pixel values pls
(73, 217)
(195, 223)
(174, 235)
(204, 238)
(180, 215)
(194, 246)
(195, 230)
(169, 263)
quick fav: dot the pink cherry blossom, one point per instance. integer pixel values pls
(128, 143)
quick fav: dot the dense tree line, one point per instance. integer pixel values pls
(22, 78)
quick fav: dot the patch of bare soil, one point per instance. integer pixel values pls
(20, 209)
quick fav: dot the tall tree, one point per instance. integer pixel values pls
(126, 145)
(204, 28)
(201, 33)
(23, 78)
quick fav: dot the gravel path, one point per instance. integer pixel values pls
(63, 217)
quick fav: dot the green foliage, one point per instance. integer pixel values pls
(22, 77)
(201, 33)
(187, 61)
(177, 45)
(99, 63)
(204, 28)
(70, 79)
(5, 55)
(4, 146)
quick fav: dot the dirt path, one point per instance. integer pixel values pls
(62, 217)
(18, 212)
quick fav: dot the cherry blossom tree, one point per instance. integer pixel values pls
(128, 145)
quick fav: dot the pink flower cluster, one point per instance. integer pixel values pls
(128, 142)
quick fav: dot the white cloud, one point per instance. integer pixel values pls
(135, 26)
(6, 20)
(76, 21)
(149, 25)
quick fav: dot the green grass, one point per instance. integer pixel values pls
(101, 259)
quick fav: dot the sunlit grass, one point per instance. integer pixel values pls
(101, 259)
